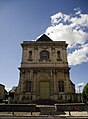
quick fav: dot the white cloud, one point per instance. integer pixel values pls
(55, 19)
(78, 56)
(74, 30)
(78, 10)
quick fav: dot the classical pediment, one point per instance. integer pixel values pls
(44, 38)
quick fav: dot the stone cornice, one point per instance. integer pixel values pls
(34, 43)
(44, 68)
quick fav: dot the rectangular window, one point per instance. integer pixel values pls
(28, 86)
(61, 86)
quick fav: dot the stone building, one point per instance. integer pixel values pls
(3, 93)
(44, 72)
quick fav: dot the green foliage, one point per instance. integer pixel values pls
(85, 92)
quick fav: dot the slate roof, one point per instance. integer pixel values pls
(44, 38)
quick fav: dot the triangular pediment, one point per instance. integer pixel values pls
(44, 38)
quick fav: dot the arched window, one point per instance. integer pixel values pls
(58, 55)
(30, 56)
(44, 55)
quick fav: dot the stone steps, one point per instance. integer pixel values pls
(46, 109)
(45, 102)
(49, 110)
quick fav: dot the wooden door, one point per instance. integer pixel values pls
(44, 90)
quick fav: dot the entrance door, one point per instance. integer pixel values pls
(44, 90)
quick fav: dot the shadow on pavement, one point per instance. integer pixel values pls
(52, 113)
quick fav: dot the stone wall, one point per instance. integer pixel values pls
(2, 92)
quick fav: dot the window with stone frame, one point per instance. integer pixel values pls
(30, 56)
(61, 86)
(28, 86)
(59, 56)
(44, 55)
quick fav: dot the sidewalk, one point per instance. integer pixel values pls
(83, 113)
(38, 114)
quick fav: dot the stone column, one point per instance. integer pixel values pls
(34, 83)
(55, 85)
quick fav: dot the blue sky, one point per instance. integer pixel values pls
(27, 19)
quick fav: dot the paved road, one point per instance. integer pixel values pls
(43, 117)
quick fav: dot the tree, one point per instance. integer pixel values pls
(85, 93)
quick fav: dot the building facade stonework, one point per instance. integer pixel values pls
(3, 93)
(44, 71)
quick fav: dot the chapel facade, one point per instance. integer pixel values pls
(44, 72)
